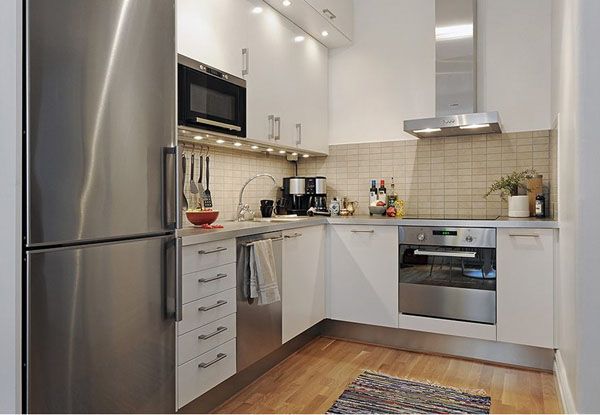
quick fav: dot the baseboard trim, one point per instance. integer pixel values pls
(564, 390)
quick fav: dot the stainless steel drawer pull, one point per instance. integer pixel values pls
(219, 330)
(295, 235)
(357, 231)
(523, 235)
(210, 307)
(456, 254)
(212, 251)
(216, 277)
(219, 357)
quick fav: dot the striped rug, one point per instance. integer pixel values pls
(375, 393)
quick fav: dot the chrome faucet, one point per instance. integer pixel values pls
(244, 211)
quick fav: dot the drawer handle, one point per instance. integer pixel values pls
(358, 231)
(219, 357)
(523, 235)
(216, 277)
(295, 235)
(219, 330)
(213, 251)
(210, 307)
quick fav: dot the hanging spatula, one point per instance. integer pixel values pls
(185, 201)
(193, 187)
(207, 197)
(200, 185)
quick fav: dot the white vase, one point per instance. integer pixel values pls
(518, 206)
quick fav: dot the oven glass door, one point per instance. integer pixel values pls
(447, 282)
(473, 268)
(211, 103)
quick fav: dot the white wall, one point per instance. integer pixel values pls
(10, 208)
(514, 53)
(576, 103)
(388, 74)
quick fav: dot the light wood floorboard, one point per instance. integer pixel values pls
(310, 380)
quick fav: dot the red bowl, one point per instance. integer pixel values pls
(202, 217)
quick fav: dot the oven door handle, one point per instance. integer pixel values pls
(455, 254)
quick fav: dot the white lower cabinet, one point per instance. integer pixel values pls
(203, 373)
(525, 287)
(363, 284)
(303, 290)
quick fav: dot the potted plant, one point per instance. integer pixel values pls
(508, 186)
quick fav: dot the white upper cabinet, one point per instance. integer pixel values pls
(286, 70)
(339, 12)
(331, 22)
(213, 32)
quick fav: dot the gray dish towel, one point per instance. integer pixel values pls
(261, 275)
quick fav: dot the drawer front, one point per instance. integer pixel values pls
(192, 344)
(209, 255)
(199, 375)
(207, 310)
(208, 282)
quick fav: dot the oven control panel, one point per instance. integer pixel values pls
(441, 236)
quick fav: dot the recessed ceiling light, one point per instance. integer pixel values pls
(237, 144)
(269, 150)
(257, 10)
(281, 151)
(324, 33)
(219, 141)
(294, 154)
(198, 137)
(254, 147)
(427, 130)
(473, 126)
(287, 3)
(305, 156)
(299, 39)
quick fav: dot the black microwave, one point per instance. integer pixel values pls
(210, 99)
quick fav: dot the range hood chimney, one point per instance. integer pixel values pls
(455, 76)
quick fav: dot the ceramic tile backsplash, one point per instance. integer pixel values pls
(437, 177)
(229, 170)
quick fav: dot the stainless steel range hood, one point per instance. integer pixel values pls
(455, 77)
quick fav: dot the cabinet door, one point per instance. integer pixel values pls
(213, 32)
(526, 286)
(339, 12)
(303, 303)
(363, 286)
(310, 99)
(270, 62)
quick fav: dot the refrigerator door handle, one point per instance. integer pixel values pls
(178, 279)
(171, 187)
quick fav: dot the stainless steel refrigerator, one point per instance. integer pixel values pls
(101, 210)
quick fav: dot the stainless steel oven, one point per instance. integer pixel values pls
(448, 273)
(210, 99)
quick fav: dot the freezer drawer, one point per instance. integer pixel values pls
(101, 329)
(200, 375)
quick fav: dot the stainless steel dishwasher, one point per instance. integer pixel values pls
(258, 326)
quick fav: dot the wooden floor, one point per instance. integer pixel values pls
(310, 380)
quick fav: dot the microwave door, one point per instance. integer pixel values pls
(214, 104)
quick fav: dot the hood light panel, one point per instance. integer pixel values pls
(473, 126)
(427, 130)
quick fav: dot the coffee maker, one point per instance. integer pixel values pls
(294, 200)
(316, 189)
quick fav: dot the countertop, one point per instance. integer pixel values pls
(192, 235)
